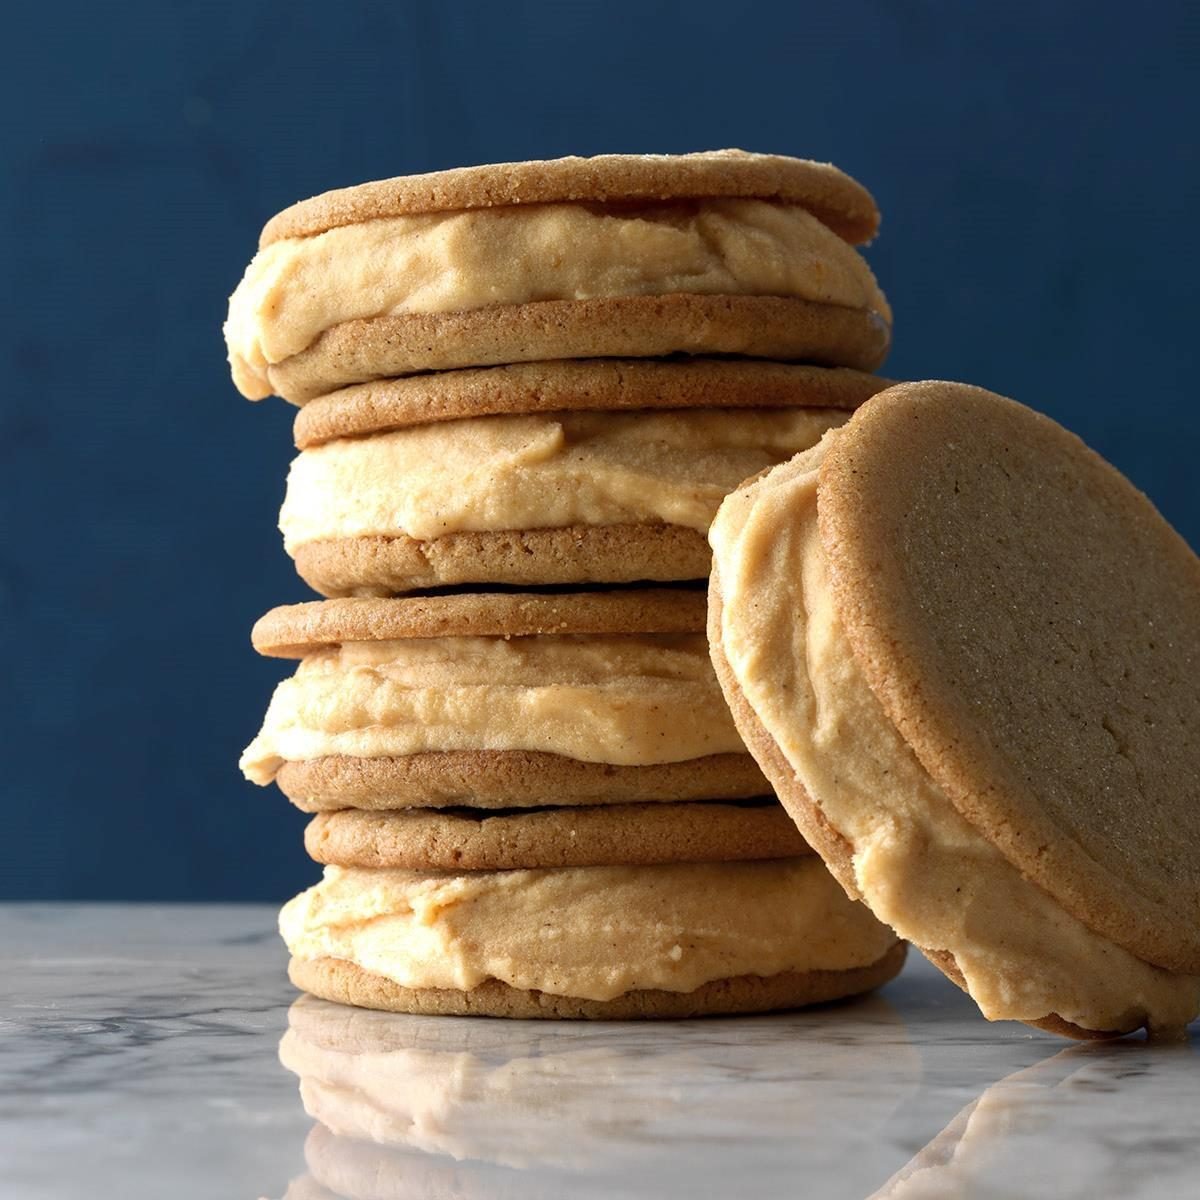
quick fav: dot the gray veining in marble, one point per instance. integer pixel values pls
(141, 1055)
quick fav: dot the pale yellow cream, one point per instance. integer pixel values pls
(918, 864)
(588, 932)
(295, 289)
(539, 472)
(629, 700)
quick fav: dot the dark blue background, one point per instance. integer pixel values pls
(1036, 165)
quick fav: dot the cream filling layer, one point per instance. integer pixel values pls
(538, 472)
(593, 933)
(629, 700)
(918, 864)
(295, 289)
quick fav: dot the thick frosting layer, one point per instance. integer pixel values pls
(917, 863)
(587, 932)
(295, 289)
(538, 472)
(629, 700)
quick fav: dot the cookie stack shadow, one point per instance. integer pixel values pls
(524, 391)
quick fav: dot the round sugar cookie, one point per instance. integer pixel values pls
(607, 385)
(581, 836)
(505, 779)
(294, 630)
(577, 555)
(756, 327)
(495, 778)
(827, 192)
(345, 983)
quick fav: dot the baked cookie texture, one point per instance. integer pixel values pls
(484, 693)
(1100, 617)
(758, 327)
(962, 648)
(829, 193)
(507, 779)
(620, 256)
(584, 385)
(463, 839)
(575, 556)
(295, 630)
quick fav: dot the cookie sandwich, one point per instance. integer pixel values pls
(966, 652)
(498, 701)
(569, 472)
(608, 257)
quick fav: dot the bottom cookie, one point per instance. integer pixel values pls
(515, 839)
(510, 779)
(345, 983)
(577, 554)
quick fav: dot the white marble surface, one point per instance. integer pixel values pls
(140, 1057)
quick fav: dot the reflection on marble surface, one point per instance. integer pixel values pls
(1090, 1121)
(139, 1060)
(595, 1108)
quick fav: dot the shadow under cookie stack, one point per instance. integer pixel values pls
(524, 391)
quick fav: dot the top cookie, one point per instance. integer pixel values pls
(1031, 625)
(294, 630)
(831, 195)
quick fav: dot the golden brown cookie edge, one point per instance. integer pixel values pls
(636, 834)
(834, 197)
(758, 327)
(583, 385)
(510, 779)
(574, 555)
(294, 630)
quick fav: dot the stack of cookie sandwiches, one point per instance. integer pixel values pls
(524, 391)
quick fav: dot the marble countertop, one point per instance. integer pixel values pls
(156, 1051)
